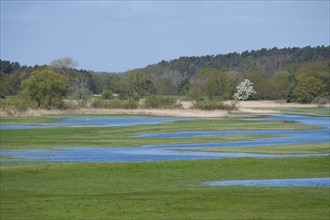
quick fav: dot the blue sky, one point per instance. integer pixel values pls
(117, 36)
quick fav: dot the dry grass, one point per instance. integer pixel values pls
(256, 111)
(187, 113)
(274, 104)
(269, 107)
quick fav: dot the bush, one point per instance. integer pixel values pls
(106, 94)
(80, 94)
(321, 101)
(214, 105)
(160, 102)
(131, 104)
(18, 104)
(111, 104)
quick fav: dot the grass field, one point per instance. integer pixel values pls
(320, 112)
(161, 190)
(155, 190)
(310, 148)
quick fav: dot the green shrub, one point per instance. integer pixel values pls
(111, 104)
(160, 102)
(131, 104)
(81, 94)
(214, 105)
(107, 94)
(18, 103)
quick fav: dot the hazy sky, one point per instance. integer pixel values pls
(122, 35)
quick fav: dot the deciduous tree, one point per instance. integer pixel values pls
(244, 90)
(137, 84)
(63, 65)
(46, 88)
(309, 88)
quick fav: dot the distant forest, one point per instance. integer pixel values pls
(275, 74)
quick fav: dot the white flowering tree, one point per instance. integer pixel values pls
(244, 90)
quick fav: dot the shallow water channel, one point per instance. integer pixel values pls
(93, 122)
(303, 182)
(172, 151)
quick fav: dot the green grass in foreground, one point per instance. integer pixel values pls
(309, 148)
(162, 190)
(320, 112)
(118, 136)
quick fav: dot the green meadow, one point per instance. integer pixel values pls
(155, 190)
(309, 148)
(317, 112)
(161, 190)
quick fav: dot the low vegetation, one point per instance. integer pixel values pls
(215, 105)
(160, 102)
(318, 112)
(161, 190)
(309, 148)
(121, 136)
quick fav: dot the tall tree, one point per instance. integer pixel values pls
(46, 88)
(216, 86)
(137, 84)
(64, 65)
(309, 88)
(292, 84)
(220, 85)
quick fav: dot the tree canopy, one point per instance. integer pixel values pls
(46, 88)
(309, 88)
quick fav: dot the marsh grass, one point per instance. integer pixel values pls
(121, 136)
(277, 107)
(316, 112)
(186, 113)
(215, 105)
(161, 190)
(309, 148)
(153, 190)
(160, 102)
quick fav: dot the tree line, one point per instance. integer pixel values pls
(294, 74)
